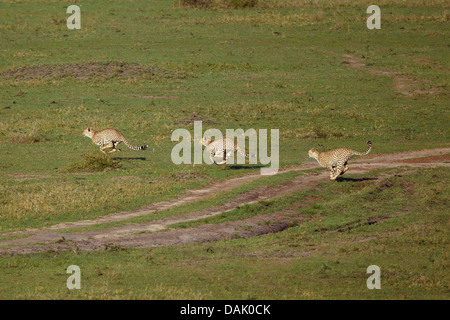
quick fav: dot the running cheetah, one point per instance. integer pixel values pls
(216, 149)
(109, 138)
(336, 160)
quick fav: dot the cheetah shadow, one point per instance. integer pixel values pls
(130, 158)
(243, 167)
(342, 179)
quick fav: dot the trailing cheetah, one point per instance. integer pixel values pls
(216, 149)
(336, 160)
(109, 138)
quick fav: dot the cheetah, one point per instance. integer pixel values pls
(109, 138)
(336, 160)
(216, 149)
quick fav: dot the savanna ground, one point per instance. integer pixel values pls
(311, 69)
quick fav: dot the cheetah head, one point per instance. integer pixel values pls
(88, 132)
(205, 141)
(313, 153)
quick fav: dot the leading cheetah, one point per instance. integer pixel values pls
(336, 160)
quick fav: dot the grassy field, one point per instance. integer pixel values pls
(400, 225)
(311, 69)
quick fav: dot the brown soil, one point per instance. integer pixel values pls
(89, 70)
(353, 61)
(403, 84)
(26, 177)
(194, 117)
(151, 96)
(255, 93)
(443, 158)
(145, 235)
(259, 225)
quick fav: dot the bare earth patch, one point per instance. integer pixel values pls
(254, 93)
(26, 177)
(443, 158)
(403, 84)
(194, 117)
(147, 96)
(146, 235)
(89, 70)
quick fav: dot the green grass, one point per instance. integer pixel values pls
(399, 224)
(148, 68)
(236, 69)
(212, 201)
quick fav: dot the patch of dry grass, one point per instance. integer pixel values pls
(19, 127)
(315, 132)
(217, 4)
(26, 138)
(304, 19)
(90, 70)
(25, 201)
(302, 4)
(270, 18)
(326, 110)
(93, 163)
(44, 125)
(27, 131)
(330, 14)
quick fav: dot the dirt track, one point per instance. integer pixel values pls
(145, 235)
(403, 84)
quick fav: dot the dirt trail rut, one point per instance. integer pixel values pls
(403, 84)
(145, 235)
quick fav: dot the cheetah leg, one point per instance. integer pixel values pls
(106, 146)
(224, 155)
(345, 168)
(333, 175)
(332, 172)
(114, 147)
(337, 172)
(211, 156)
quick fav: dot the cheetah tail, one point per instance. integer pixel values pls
(368, 150)
(134, 148)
